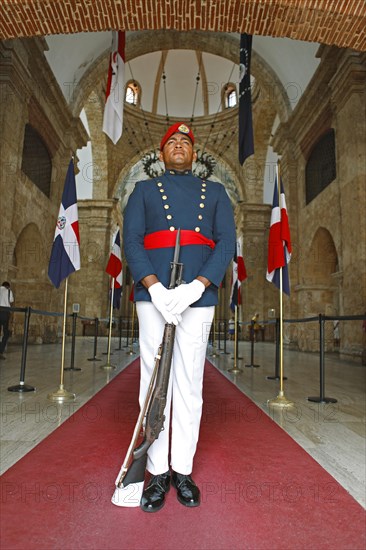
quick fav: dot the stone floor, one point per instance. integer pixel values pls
(332, 433)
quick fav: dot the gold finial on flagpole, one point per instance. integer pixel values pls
(61, 394)
(281, 400)
(108, 364)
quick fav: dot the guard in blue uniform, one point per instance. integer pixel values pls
(203, 212)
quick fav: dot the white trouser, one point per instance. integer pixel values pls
(185, 384)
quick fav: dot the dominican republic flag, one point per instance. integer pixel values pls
(65, 254)
(114, 269)
(279, 242)
(246, 141)
(238, 276)
(115, 93)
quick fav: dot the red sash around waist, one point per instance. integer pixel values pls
(166, 238)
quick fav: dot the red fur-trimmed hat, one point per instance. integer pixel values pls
(179, 127)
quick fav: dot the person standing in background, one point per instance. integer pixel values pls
(6, 299)
(255, 327)
(231, 330)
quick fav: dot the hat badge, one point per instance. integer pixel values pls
(184, 129)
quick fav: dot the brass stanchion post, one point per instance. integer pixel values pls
(235, 369)
(131, 352)
(108, 364)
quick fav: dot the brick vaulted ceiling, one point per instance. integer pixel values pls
(333, 22)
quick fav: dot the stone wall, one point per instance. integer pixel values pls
(30, 94)
(335, 99)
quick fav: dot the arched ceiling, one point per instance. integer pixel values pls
(293, 61)
(337, 22)
(85, 72)
(84, 76)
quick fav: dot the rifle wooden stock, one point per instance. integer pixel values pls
(155, 417)
(155, 401)
(138, 426)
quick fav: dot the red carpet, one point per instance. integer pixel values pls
(260, 490)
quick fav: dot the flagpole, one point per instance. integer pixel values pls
(131, 352)
(61, 394)
(108, 364)
(281, 400)
(213, 354)
(235, 369)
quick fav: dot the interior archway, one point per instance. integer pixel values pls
(220, 44)
(322, 258)
(31, 287)
(315, 21)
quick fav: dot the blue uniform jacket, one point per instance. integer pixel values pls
(184, 201)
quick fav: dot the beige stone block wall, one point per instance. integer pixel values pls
(28, 217)
(328, 234)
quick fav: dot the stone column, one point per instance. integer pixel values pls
(254, 229)
(90, 285)
(14, 113)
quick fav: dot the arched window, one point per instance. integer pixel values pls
(133, 93)
(320, 168)
(230, 98)
(36, 160)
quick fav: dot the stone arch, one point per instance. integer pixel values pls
(220, 44)
(31, 286)
(322, 258)
(29, 253)
(313, 22)
(273, 102)
(320, 294)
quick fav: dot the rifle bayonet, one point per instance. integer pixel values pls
(175, 265)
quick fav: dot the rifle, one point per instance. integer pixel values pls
(130, 479)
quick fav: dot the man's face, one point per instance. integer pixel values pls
(178, 153)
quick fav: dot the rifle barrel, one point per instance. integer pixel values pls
(177, 248)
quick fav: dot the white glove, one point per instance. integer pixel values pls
(162, 298)
(185, 295)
